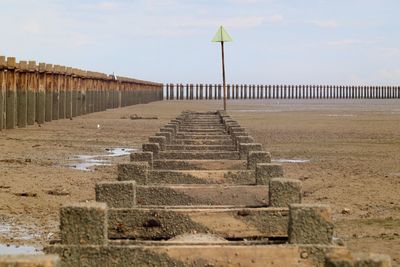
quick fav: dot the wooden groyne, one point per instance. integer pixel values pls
(237, 92)
(37, 93)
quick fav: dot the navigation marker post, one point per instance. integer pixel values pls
(222, 36)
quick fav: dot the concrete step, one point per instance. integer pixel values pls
(191, 253)
(220, 133)
(168, 222)
(173, 164)
(201, 147)
(198, 155)
(189, 195)
(205, 131)
(202, 142)
(240, 177)
(205, 137)
(192, 124)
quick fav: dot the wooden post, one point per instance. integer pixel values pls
(68, 93)
(3, 66)
(95, 93)
(49, 93)
(56, 91)
(62, 93)
(41, 95)
(79, 94)
(89, 93)
(32, 92)
(22, 91)
(237, 91)
(191, 92)
(181, 91)
(167, 91)
(171, 92)
(11, 93)
(105, 90)
(74, 91)
(84, 95)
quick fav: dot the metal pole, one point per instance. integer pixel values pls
(223, 73)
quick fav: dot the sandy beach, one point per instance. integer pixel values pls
(346, 152)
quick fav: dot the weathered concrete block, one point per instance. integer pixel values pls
(255, 157)
(30, 261)
(339, 259)
(120, 194)
(266, 171)
(347, 259)
(372, 260)
(167, 136)
(143, 156)
(84, 224)
(168, 130)
(242, 139)
(230, 124)
(283, 192)
(174, 127)
(236, 129)
(152, 147)
(310, 224)
(161, 140)
(245, 148)
(135, 171)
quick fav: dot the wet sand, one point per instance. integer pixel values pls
(346, 152)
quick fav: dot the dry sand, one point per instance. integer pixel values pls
(351, 150)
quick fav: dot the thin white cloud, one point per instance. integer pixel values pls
(391, 51)
(325, 23)
(107, 5)
(230, 22)
(390, 73)
(32, 27)
(349, 42)
(245, 2)
(275, 18)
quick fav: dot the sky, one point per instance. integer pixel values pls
(274, 41)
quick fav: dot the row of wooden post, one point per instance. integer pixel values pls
(210, 91)
(31, 93)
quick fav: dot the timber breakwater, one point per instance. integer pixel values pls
(202, 192)
(279, 91)
(37, 93)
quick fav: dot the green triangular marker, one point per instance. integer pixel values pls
(221, 36)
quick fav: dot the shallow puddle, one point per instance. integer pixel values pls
(87, 162)
(13, 249)
(256, 110)
(119, 151)
(291, 160)
(341, 115)
(19, 232)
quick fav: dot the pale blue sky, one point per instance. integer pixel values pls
(275, 41)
